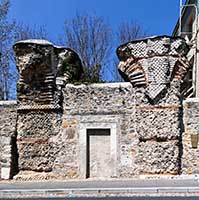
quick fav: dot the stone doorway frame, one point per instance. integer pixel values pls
(99, 133)
(82, 129)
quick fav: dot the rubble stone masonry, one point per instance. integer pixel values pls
(8, 150)
(135, 127)
(190, 159)
(155, 66)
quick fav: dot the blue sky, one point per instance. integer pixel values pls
(157, 17)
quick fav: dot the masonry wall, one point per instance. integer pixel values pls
(37, 148)
(49, 141)
(190, 159)
(8, 150)
(155, 67)
(50, 145)
(98, 105)
(148, 136)
(144, 117)
(159, 129)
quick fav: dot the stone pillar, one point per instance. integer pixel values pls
(8, 151)
(43, 69)
(155, 66)
(190, 158)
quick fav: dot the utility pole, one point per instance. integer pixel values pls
(196, 51)
(1, 89)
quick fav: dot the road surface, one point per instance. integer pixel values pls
(112, 198)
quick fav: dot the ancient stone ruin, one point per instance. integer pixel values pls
(155, 67)
(42, 68)
(110, 130)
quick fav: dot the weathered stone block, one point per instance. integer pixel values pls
(8, 119)
(191, 114)
(98, 98)
(190, 160)
(159, 157)
(38, 124)
(69, 133)
(68, 123)
(37, 155)
(39, 63)
(158, 124)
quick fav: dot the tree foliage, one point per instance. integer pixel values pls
(6, 35)
(126, 32)
(90, 37)
(23, 32)
(10, 32)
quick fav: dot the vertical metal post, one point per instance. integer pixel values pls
(180, 20)
(196, 53)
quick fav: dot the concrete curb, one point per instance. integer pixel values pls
(99, 191)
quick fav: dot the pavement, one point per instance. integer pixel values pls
(91, 187)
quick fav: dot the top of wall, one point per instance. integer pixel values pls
(101, 98)
(35, 41)
(101, 85)
(8, 103)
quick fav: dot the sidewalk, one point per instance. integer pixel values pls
(89, 187)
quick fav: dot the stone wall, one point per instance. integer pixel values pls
(148, 136)
(37, 151)
(8, 151)
(97, 106)
(44, 69)
(190, 159)
(50, 142)
(155, 67)
(142, 119)
(158, 128)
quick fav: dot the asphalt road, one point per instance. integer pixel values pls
(113, 198)
(72, 188)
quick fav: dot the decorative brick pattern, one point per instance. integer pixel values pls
(158, 112)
